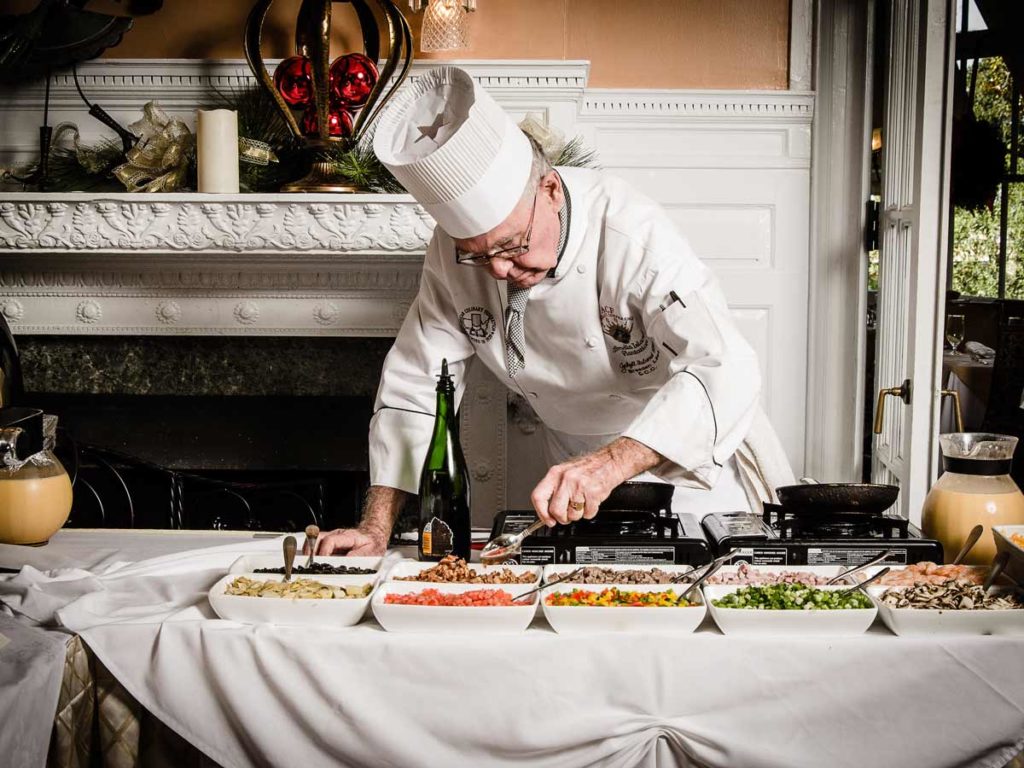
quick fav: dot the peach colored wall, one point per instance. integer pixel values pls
(630, 43)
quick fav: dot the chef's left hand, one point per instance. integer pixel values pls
(589, 479)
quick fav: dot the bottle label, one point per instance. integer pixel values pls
(438, 539)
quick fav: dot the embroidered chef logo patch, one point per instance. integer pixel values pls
(637, 352)
(618, 327)
(477, 323)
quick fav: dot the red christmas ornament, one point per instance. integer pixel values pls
(339, 121)
(293, 79)
(352, 78)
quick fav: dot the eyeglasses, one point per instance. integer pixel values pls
(483, 259)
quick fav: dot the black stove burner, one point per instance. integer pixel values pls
(782, 536)
(614, 536)
(622, 523)
(797, 523)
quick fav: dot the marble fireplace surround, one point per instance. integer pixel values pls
(328, 265)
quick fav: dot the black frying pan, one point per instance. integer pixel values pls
(868, 498)
(639, 496)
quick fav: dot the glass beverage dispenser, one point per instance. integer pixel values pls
(35, 491)
(976, 488)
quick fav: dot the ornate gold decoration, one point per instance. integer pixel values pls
(312, 40)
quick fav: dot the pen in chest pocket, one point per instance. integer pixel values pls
(672, 298)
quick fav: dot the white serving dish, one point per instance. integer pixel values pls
(656, 620)
(817, 623)
(249, 563)
(452, 619)
(286, 610)
(414, 567)
(1015, 567)
(552, 572)
(826, 571)
(923, 621)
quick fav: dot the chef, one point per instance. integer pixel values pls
(579, 294)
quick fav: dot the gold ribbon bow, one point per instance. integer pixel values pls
(159, 161)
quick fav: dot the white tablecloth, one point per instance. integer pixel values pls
(264, 695)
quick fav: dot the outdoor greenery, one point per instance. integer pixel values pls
(976, 233)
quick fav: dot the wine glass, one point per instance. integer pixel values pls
(955, 331)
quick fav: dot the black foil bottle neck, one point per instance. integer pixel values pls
(445, 384)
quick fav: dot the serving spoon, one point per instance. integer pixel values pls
(873, 561)
(545, 585)
(312, 533)
(996, 568)
(969, 542)
(864, 583)
(713, 566)
(710, 571)
(289, 556)
(507, 545)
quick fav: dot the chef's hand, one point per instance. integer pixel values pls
(370, 539)
(589, 479)
(349, 541)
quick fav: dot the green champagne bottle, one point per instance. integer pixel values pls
(444, 482)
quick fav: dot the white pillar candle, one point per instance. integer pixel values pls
(217, 150)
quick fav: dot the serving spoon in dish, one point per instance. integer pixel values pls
(289, 556)
(312, 534)
(864, 583)
(709, 569)
(867, 564)
(995, 569)
(969, 542)
(545, 585)
(507, 545)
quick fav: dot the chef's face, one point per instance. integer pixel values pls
(527, 269)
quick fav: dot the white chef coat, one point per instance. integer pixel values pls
(630, 336)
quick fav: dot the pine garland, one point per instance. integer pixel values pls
(259, 119)
(576, 155)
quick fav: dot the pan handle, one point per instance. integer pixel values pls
(808, 481)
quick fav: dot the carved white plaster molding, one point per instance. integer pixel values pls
(173, 82)
(168, 312)
(719, 106)
(247, 312)
(207, 224)
(89, 312)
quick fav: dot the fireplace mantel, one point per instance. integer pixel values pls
(200, 264)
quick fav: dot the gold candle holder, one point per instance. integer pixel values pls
(312, 41)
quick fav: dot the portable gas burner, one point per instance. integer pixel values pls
(614, 536)
(800, 536)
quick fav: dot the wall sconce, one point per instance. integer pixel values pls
(445, 23)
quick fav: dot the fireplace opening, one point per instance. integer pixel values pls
(200, 432)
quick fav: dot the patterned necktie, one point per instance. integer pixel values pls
(515, 313)
(515, 349)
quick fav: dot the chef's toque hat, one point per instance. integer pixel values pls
(456, 151)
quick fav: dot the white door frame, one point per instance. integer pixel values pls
(840, 185)
(840, 188)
